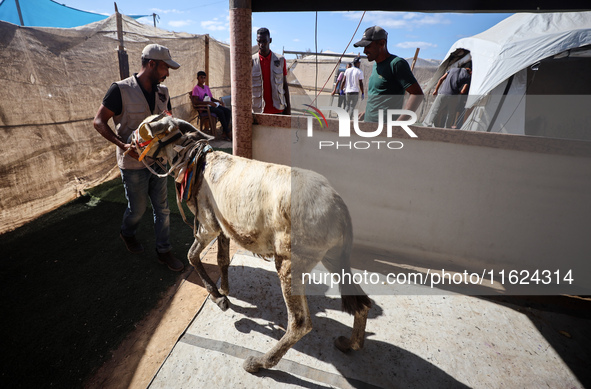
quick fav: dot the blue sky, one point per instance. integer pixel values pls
(434, 33)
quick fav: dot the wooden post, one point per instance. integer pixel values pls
(414, 60)
(121, 53)
(206, 58)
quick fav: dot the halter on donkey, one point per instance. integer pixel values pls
(190, 154)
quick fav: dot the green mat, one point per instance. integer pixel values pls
(71, 292)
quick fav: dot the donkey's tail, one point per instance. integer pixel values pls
(353, 298)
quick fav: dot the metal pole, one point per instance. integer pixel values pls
(20, 14)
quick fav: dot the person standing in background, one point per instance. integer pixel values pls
(390, 79)
(338, 88)
(450, 89)
(270, 92)
(352, 85)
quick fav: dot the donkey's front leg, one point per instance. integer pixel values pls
(224, 262)
(201, 240)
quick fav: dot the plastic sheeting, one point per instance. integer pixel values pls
(54, 81)
(47, 13)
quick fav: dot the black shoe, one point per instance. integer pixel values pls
(169, 260)
(132, 245)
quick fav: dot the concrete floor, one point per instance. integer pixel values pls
(413, 341)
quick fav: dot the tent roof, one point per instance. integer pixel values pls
(47, 13)
(517, 42)
(418, 6)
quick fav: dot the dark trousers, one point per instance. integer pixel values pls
(341, 101)
(224, 116)
(351, 102)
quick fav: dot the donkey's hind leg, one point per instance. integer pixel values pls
(358, 336)
(354, 301)
(299, 322)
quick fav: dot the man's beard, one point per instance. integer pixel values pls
(155, 79)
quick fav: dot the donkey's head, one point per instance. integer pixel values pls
(157, 135)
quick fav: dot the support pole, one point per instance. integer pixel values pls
(20, 14)
(241, 71)
(206, 55)
(414, 60)
(121, 53)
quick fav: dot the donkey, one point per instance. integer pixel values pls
(290, 215)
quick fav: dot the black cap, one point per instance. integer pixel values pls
(374, 33)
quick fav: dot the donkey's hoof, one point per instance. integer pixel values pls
(343, 344)
(223, 303)
(251, 365)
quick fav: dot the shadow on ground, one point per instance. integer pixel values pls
(392, 356)
(71, 292)
(319, 343)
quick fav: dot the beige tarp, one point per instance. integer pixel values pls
(54, 81)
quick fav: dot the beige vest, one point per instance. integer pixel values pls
(135, 110)
(258, 103)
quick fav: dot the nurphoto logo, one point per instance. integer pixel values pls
(345, 128)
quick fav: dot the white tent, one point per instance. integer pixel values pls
(506, 58)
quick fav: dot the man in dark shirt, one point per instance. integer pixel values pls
(112, 99)
(451, 87)
(128, 102)
(390, 79)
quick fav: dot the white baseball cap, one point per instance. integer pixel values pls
(159, 53)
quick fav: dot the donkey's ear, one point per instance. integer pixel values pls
(188, 129)
(160, 125)
(184, 126)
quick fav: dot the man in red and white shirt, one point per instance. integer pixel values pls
(270, 93)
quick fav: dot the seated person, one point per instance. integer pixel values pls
(201, 96)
